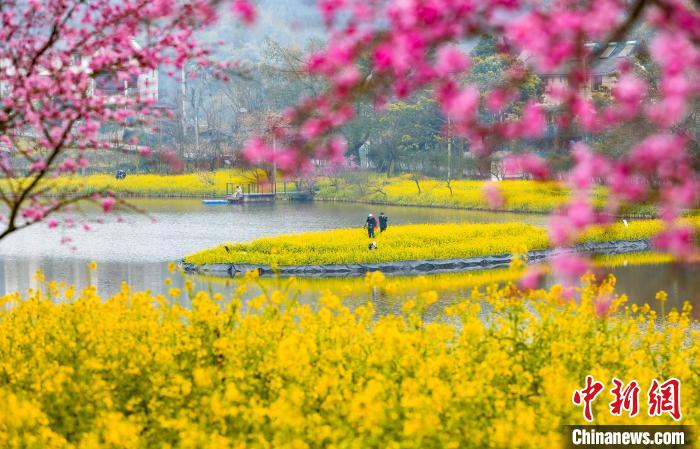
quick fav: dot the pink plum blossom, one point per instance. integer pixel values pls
(629, 92)
(569, 268)
(527, 163)
(589, 167)
(654, 151)
(54, 84)
(462, 105)
(493, 196)
(531, 279)
(533, 122)
(450, 60)
(244, 10)
(108, 204)
(601, 306)
(144, 151)
(677, 240)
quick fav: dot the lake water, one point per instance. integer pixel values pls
(138, 249)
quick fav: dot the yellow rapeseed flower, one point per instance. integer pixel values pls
(141, 371)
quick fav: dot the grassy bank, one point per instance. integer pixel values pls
(409, 242)
(134, 371)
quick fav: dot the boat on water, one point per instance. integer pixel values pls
(230, 200)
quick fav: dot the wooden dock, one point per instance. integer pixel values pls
(253, 198)
(260, 193)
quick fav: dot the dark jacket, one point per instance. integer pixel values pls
(383, 220)
(371, 222)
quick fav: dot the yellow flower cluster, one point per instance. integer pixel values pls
(525, 196)
(408, 242)
(202, 183)
(496, 370)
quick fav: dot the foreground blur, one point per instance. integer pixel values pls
(496, 369)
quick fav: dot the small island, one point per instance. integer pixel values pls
(409, 249)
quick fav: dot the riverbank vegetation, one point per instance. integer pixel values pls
(523, 196)
(496, 369)
(408, 242)
(191, 184)
(359, 186)
(518, 195)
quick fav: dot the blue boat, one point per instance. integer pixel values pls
(229, 200)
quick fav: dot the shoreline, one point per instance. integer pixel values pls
(475, 209)
(414, 267)
(375, 203)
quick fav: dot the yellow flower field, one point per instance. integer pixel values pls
(521, 196)
(134, 371)
(408, 242)
(192, 184)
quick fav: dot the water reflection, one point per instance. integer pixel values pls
(639, 282)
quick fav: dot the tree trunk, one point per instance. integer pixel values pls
(415, 179)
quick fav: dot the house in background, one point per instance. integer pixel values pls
(604, 73)
(144, 86)
(604, 70)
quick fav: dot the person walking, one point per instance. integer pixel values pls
(371, 224)
(383, 222)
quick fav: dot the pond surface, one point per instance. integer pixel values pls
(138, 249)
(175, 228)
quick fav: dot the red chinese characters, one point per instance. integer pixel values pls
(626, 398)
(586, 395)
(665, 398)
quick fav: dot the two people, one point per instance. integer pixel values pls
(372, 223)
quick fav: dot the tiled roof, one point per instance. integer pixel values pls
(608, 60)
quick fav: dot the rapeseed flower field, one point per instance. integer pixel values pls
(521, 196)
(191, 184)
(407, 242)
(497, 369)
